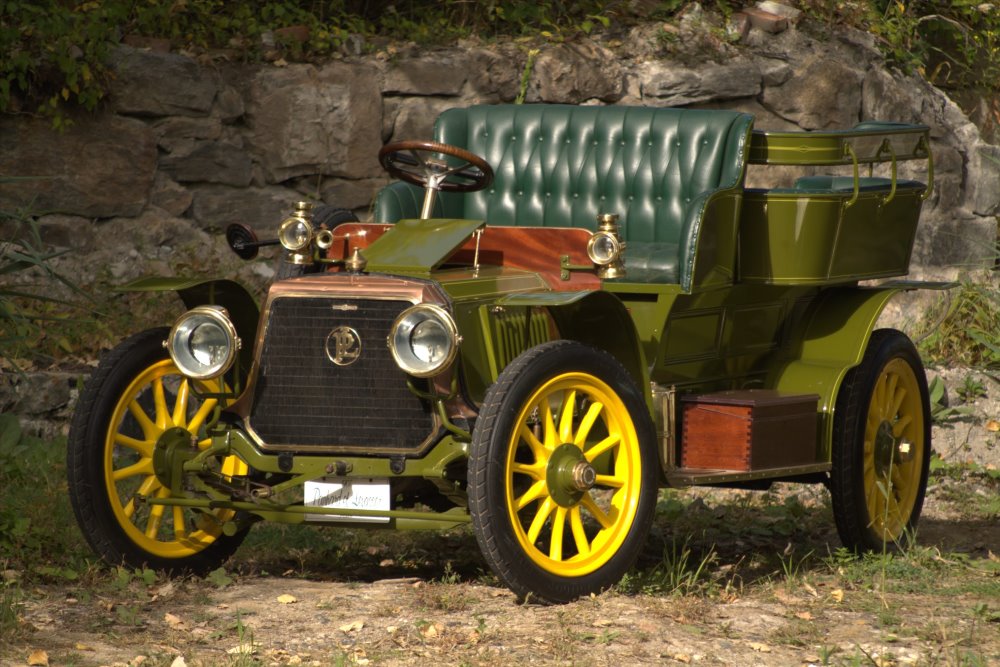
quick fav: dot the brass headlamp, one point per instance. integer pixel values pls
(606, 249)
(296, 234)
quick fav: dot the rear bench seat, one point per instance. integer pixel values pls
(674, 176)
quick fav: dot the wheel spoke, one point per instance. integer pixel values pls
(533, 470)
(153, 524)
(890, 404)
(143, 467)
(202, 414)
(180, 529)
(536, 491)
(160, 402)
(558, 526)
(143, 447)
(900, 425)
(609, 480)
(898, 479)
(181, 404)
(871, 499)
(566, 416)
(593, 412)
(156, 515)
(548, 424)
(869, 467)
(537, 448)
(579, 536)
(880, 395)
(149, 429)
(544, 510)
(897, 401)
(602, 518)
(604, 445)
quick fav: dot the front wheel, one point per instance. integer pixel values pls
(562, 473)
(135, 396)
(881, 446)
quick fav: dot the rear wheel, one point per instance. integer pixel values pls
(563, 473)
(881, 445)
(134, 397)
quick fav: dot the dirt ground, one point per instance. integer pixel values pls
(743, 607)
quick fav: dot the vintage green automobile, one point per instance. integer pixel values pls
(555, 311)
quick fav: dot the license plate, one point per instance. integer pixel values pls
(371, 494)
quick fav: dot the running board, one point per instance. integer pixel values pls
(696, 476)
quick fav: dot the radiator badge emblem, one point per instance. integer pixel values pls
(343, 346)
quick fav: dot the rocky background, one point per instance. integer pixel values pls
(185, 146)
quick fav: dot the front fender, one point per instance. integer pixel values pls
(231, 295)
(599, 319)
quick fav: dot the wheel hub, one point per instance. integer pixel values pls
(173, 447)
(569, 475)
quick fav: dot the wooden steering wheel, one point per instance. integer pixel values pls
(419, 163)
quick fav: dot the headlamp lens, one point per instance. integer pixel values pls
(203, 342)
(424, 340)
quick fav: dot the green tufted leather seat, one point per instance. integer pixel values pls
(561, 165)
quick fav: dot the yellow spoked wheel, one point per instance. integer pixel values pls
(562, 472)
(136, 405)
(881, 446)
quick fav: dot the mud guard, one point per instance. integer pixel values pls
(231, 295)
(829, 341)
(583, 316)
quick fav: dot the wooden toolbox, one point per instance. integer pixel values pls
(751, 429)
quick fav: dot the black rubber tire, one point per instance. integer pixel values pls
(331, 216)
(856, 399)
(85, 470)
(491, 521)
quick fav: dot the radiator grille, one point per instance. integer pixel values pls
(304, 401)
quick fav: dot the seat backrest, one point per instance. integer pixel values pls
(562, 165)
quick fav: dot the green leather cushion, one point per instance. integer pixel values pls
(562, 165)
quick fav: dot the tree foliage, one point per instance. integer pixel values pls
(53, 53)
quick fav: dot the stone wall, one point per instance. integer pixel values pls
(182, 147)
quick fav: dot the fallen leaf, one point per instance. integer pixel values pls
(432, 630)
(179, 662)
(391, 629)
(837, 595)
(804, 615)
(173, 621)
(287, 599)
(38, 658)
(993, 425)
(387, 562)
(82, 647)
(351, 627)
(760, 648)
(682, 657)
(812, 591)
